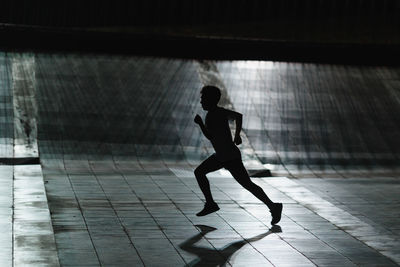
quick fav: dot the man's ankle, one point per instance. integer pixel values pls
(211, 203)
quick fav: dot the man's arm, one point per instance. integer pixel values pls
(199, 121)
(237, 117)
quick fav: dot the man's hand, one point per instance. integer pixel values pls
(198, 119)
(237, 140)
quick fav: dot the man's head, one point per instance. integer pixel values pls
(210, 96)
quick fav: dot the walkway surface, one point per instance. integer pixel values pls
(118, 146)
(142, 213)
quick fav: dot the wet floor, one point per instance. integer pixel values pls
(118, 147)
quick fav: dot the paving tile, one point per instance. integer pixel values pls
(74, 257)
(125, 256)
(73, 239)
(158, 251)
(145, 234)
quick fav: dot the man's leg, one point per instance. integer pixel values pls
(209, 165)
(240, 174)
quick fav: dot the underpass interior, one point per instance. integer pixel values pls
(98, 144)
(118, 146)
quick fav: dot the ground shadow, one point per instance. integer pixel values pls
(218, 257)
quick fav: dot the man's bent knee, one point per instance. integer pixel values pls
(250, 186)
(198, 172)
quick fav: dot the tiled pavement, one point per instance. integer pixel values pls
(118, 147)
(120, 213)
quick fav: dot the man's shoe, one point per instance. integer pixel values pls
(208, 208)
(276, 213)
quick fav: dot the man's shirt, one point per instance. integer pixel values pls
(217, 124)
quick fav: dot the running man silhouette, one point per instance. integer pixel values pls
(227, 154)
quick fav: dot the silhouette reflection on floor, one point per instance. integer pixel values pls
(218, 257)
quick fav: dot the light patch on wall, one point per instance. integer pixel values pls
(255, 64)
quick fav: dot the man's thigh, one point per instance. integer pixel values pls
(238, 171)
(209, 165)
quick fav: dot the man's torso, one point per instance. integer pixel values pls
(217, 125)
